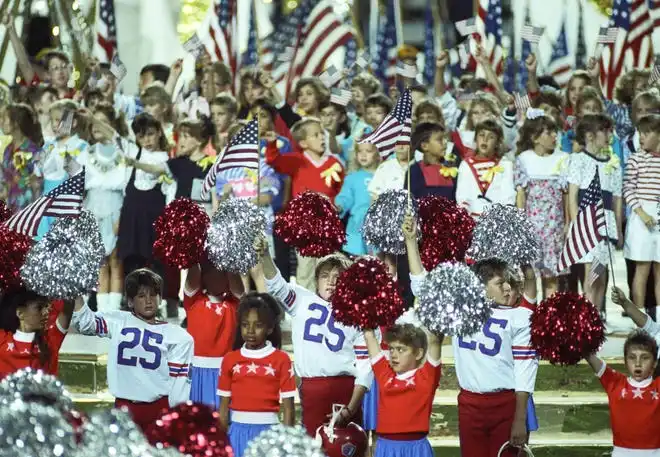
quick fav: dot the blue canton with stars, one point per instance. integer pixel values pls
(621, 14)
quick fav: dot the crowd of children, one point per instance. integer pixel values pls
(140, 152)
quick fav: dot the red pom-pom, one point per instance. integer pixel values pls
(192, 429)
(446, 230)
(566, 327)
(181, 234)
(5, 211)
(311, 224)
(366, 296)
(13, 249)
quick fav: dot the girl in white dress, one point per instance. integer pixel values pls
(105, 182)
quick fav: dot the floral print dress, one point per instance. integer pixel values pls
(18, 163)
(544, 180)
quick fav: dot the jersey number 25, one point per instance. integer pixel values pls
(145, 337)
(491, 334)
(315, 334)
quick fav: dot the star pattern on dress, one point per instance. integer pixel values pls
(10, 347)
(218, 310)
(252, 368)
(208, 304)
(291, 372)
(237, 368)
(623, 392)
(270, 371)
(410, 382)
(638, 393)
(25, 351)
(655, 395)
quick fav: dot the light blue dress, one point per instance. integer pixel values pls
(354, 199)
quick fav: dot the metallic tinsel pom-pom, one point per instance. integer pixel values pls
(230, 238)
(504, 232)
(32, 385)
(283, 441)
(65, 262)
(452, 301)
(112, 433)
(382, 224)
(34, 430)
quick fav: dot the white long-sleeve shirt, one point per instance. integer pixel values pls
(321, 346)
(145, 361)
(500, 356)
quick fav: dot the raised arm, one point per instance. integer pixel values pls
(64, 317)
(275, 283)
(532, 79)
(409, 229)
(282, 163)
(638, 316)
(24, 65)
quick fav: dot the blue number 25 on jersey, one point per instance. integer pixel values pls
(144, 338)
(491, 332)
(314, 329)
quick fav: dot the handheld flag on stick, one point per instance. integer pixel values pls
(395, 128)
(66, 124)
(531, 33)
(341, 97)
(331, 76)
(467, 26)
(194, 46)
(117, 68)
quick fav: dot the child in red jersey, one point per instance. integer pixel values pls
(406, 387)
(27, 338)
(634, 400)
(210, 305)
(257, 375)
(312, 169)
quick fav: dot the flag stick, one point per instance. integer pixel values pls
(607, 239)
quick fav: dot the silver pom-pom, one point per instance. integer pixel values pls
(382, 224)
(65, 262)
(31, 385)
(504, 232)
(452, 301)
(230, 239)
(112, 433)
(283, 441)
(34, 430)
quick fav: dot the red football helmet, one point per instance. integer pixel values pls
(348, 441)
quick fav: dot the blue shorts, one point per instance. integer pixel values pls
(392, 448)
(240, 435)
(204, 386)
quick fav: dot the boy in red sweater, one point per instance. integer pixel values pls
(315, 169)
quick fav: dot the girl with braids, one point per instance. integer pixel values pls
(19, 185)
(26, 337)
(541, 186)
(257, 375)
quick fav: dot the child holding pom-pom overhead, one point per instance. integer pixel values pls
(633, 399)
(496, 367)
(330, 358)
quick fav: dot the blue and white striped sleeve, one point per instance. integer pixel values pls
(87, 322)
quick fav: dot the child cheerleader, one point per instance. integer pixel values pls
(20, 186)
(26, 339)
(354, 198)
(257, 375)
(540, 177)
(642, 242)
(105, 181)
(59, 159)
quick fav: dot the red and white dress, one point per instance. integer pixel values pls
(484, 181)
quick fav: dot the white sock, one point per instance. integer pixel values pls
(102, 302)
(657, 313)
(114, 301)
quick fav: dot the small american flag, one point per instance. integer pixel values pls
(65, 125)
(194, 46)
(584, 233)
(522, 102)
(395, 128)
(655, 75)
(531, 33)
(117, 68)
(341, 97)
(331, 76)
(63, 201)
(467, 26)
(241, 152)
(607, 35)
(106, 29)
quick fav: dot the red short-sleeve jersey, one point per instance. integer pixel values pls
(18, 350)
(405, 400)
(211, 322)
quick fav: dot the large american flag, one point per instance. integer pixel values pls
(561, 64)
(106, 29)
(633, 47)
(395, 128)
(251, 55)
(387, 45)
(429, 44)
(222, 32)
(490, 16)
(63, 201)
(526, 50)
(581, 46)
(314, 32)
(584, 234)
(241, 152)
